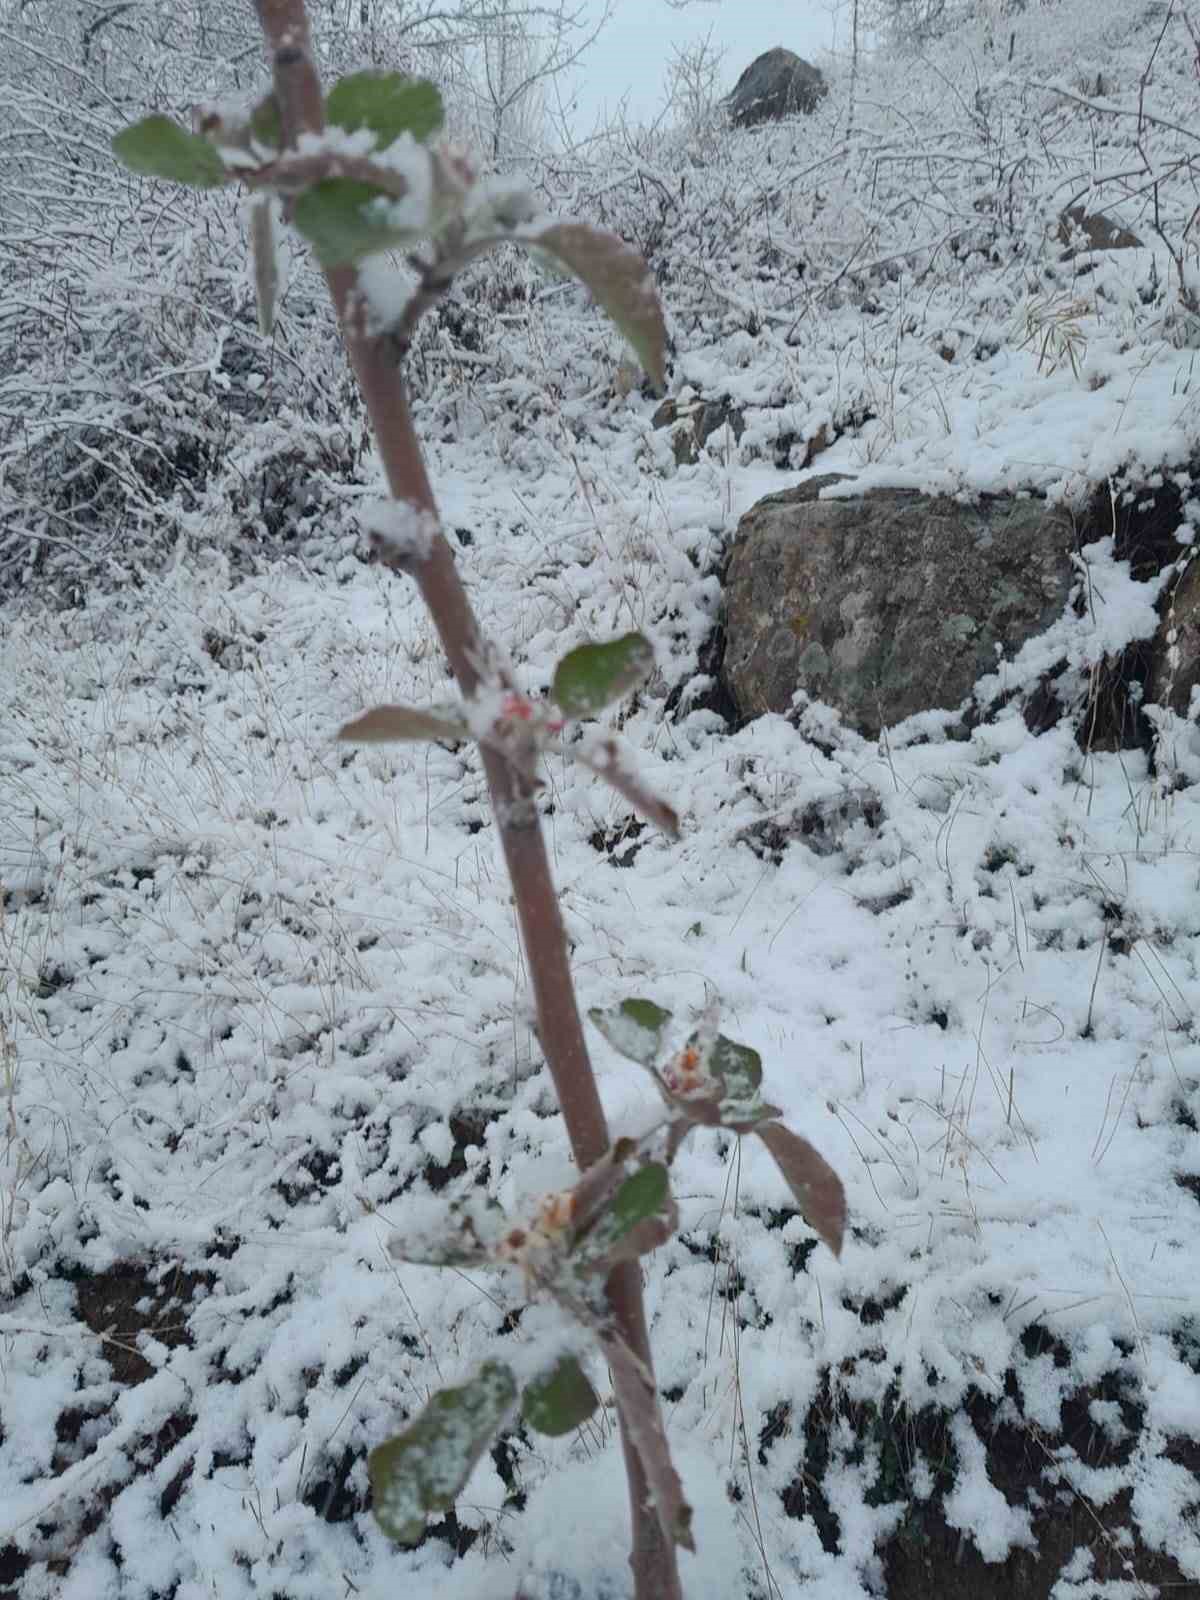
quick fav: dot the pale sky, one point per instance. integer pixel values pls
(630, 57)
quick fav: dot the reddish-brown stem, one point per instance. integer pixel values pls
(560, 1030)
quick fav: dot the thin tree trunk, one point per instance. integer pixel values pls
(560, 1029)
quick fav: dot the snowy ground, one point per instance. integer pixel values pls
(256, 989)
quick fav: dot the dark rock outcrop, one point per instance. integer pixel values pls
(1175, 669)
(778, 84)
(693, 422)
(1099, 231)
(887, 604)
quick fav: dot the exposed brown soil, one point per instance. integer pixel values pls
(135, 1298)
(130, 1299)
(927, 1556)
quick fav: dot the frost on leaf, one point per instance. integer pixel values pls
(714, 1081)
(643, 1422)
(424, 1469)
(816, 1186)
(620, 282)
(156, 147)
(739, 1067)
(738, 1070)
(345, 219)
(639, 1197)
(635, 1028)
(387, 103)
(560, 1401)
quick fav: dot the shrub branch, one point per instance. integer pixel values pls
(560, 1030)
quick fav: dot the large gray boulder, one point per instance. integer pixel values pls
(887, 604)
(778, 84)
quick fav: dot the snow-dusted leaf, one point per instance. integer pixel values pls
(596, 1188)
(266, 267)
(345, 220)
(744, 1116)
(390, 724)
(737, 1065)
(816, 1186)
(156, 147)
(644, 1238)
(561, 1401)
(594, 675)
(424, 1468)
(714, 1082)
(603, 757)
(738, 1069)
(620, 282)
(635, 1028)
(593, 1194)
(639, 1218)
(388, 103)
(642, 1195)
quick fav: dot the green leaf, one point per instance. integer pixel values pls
(635, 1028)
(561, 1401)
(620, 282)
(388, 103)
(266, 124)
(594, 675)
(389, 724)
(737, 1064)
(156, 147)
(738, 1069)
(425, 1468)
(345, 220)
(816, 1186)
(714, 1081)
(639, 1205)
(642, 1195)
